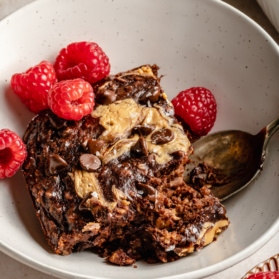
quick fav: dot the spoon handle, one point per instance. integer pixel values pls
(270, 129)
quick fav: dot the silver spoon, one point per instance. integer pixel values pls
(229, 160)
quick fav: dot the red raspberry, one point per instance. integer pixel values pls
(12, 153)
(71, 99)
(265, 275)
(84, 60)
(32, 86)
(197, 107)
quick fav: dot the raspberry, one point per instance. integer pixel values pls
(71, 99)
(32, 86)
(84, 60)
(265, 275)
(197, 107)
(12, 153)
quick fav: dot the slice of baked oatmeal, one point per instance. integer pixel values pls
(113, 181)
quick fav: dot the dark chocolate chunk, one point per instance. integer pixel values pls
(95, 146)
(143, 130)
(162, 136)
(107, 97)
(151, 95)
(140, 148)
(56, 163)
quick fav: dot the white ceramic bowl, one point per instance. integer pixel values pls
(195, 42)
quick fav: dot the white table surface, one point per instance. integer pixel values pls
(12, 269)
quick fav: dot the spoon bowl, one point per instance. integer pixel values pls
(229, 160)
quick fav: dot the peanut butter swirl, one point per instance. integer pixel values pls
(120, 118)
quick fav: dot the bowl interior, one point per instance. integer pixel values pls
(195, 43)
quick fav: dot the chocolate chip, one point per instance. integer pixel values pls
(95, 146)
(56, 163)
(162, 136)
(152, 95)
(147, 189)
(89, 162)
(140, 148)
(125, 92)
(143, 130)
(107, 97)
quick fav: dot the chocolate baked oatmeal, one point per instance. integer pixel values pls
(113, 181)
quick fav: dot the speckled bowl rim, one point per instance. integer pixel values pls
(195, 274)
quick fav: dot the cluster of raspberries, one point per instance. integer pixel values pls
(65, 87)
